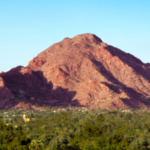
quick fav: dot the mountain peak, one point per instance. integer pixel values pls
(83, 71)
(87, 37)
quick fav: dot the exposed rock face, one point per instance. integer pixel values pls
(83, 71)
(2, 84)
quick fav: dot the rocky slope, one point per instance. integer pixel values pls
(82, 71)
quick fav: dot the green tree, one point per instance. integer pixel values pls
(3, 148)
(36, 145)
(90, 129)
(100, 118)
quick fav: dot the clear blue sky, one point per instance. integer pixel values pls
(27, 27)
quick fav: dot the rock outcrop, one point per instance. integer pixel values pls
(5, 93)
(83, 71)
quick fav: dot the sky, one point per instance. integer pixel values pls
(27, 27)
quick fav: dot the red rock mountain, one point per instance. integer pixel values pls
(82, 71)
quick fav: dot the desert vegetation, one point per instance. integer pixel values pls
(75, 129)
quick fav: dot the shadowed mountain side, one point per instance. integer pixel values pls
(129, 91)
(138, 66)
(114, 88)
(147, 65)
(33, 89)
(5, 93)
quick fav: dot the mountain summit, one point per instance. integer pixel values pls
(82, 71)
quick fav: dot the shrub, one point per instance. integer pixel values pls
(116, 138)
(92, 130)
(100, 118)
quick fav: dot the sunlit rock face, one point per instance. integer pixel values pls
(2, 84)
(83, 71)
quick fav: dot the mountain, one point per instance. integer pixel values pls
(82, 71)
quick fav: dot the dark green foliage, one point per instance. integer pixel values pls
(100, 118)
(103, 130)
(91, 130)
(116, 138)
(3, 148)
(110, 147)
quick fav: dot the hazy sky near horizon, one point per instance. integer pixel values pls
(29, 27)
